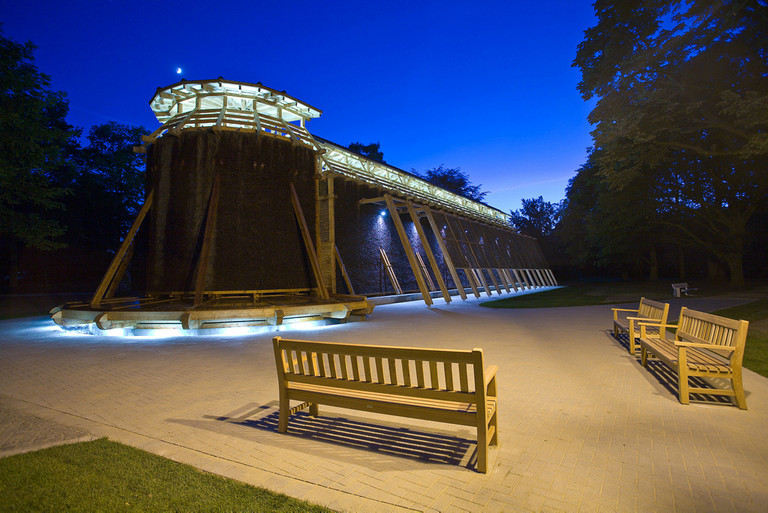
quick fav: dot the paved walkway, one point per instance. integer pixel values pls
(583, 427)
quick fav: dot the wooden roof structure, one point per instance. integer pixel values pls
(228, 105)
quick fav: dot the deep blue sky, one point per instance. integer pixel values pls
(484, 86)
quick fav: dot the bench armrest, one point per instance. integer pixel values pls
(704, 345)
(617, 310)
(490, 373)
(657, 325)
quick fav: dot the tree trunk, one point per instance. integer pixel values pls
(682, 264)
(735, 269)
(654, 262)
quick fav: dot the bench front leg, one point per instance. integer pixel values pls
(285, 411)
(682, 375)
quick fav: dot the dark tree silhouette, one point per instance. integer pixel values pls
(372, 151)
(34, 142)
(454, 180)
(682, 92)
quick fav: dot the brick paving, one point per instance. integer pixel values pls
(582, 426)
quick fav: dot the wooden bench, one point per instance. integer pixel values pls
(431, 384)
(705, 345)
(648, 310)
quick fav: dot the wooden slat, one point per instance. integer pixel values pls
(379, 370)
(406, 368)
(433, 377)
(448, 369)
(343, 366)
(332, 365)
(420, 382)
(463, 378)
(367, 368)
(355, 368)
(392, 371)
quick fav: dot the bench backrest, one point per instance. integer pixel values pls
(706, 328)
(653, 310)
(452, 375)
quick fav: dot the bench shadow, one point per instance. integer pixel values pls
(666, 377)
(333, 432)
(392, 440)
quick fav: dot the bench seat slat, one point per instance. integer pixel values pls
(416, 407)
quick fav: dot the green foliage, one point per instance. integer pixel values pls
(454, 180)
(537, 218)
(681, 120)
(107, 476)
(108, 187)
(371, 151)
(34, 141)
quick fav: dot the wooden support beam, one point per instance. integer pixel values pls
(472, 279)
(495, 283)
(118, 258)
(474, 257)
(428, 251)
(523, 284)
(390, 271)
(408, 250)
(210, 223)
(120, 273)
(310, 247)
(344, 271)
(444, 250)
(424, 272)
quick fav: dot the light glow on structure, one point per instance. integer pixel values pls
(228, 105)
(171, 332)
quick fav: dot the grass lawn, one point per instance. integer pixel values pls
(584, 294)
(107, 476)
(756, 350)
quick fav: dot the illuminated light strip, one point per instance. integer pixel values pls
(228, 105)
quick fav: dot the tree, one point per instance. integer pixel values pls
(34, 139)
(108, 190)
(682, 93)
(371, 151)
(453, 179)
(537, 218)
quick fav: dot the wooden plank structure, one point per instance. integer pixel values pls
(451, 386)
(224, 143)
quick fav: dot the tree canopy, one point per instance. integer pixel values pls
(681, 118)
(34, 142)
(454, 180)
(372, 150)
(537, 218)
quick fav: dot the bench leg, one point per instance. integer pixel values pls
(738, 389)
(314, 410)
(482, 447)
(682, 377)
(643, 356)
(495, 425)
(285, 412)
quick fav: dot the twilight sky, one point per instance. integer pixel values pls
(484, 86)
